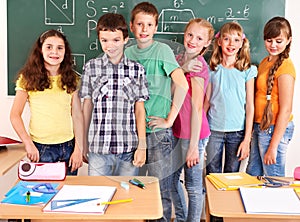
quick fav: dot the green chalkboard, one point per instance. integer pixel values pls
(77, 20)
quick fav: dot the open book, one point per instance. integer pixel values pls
(81, 199)
(232, 181)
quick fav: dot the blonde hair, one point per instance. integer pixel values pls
(205, 24)
(273, 28)
(243, 60)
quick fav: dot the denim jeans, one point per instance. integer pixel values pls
(112, 164)
(216, 144)
(159, 164)
(51, 153)
(259, 146)
(193, 183)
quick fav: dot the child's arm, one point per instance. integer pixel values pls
(286, 84)
(140, 153)
(180, 89)
(87, 109)
(207, 98)
(77, 118)
(244, 148)
(197, 85)
(18, 125)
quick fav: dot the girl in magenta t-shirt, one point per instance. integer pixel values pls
(191, 128)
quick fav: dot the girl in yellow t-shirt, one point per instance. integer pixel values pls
(273, 126)
(47, 81)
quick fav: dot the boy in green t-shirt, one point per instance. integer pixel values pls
(161, 69)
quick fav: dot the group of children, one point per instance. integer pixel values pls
(143, 105)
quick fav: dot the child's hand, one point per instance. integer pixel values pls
(85, 151)
(270, 156)
(76, 159)
(85, 157)
(139, 157)
(32, 152)
(192, 157)
(158, 122)
(193, 65)
(244, 150)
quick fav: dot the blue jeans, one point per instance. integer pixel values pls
(193, 183)
(217, 142)
(111, 164)
(259, 146)
(51, 153)
(159, 164)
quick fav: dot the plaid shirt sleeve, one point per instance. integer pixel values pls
(143, 93)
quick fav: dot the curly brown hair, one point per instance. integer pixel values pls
(273, 28)
(35, 75)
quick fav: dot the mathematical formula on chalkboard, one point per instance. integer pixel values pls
(172, 21)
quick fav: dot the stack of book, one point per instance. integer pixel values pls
(233, 181)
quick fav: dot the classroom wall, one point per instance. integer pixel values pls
(6, 101)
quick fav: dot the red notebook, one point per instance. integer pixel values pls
(8, 141)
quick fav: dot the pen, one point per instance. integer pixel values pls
(28, 197)
(136, 180)
(133, 182)
(116, 201)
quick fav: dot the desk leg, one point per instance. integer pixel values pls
(207, 213)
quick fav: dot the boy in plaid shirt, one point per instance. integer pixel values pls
(114, 89)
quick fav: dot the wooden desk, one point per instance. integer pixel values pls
(146, 203)
(10, 157)
(228, 204)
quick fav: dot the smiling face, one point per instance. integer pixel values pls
(143, 27)
(53, 50)
(196, 37)
(277, 45)
(112, 43)
(230, 43)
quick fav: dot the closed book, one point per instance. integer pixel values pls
(30, 193)
(232, 181)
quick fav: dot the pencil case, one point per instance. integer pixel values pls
(41, 171)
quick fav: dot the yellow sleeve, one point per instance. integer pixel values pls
(20, 84)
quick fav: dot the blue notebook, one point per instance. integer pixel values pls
(30, 193)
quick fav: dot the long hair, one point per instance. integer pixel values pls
(243, 60)
(272, 29)
(34, 73)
